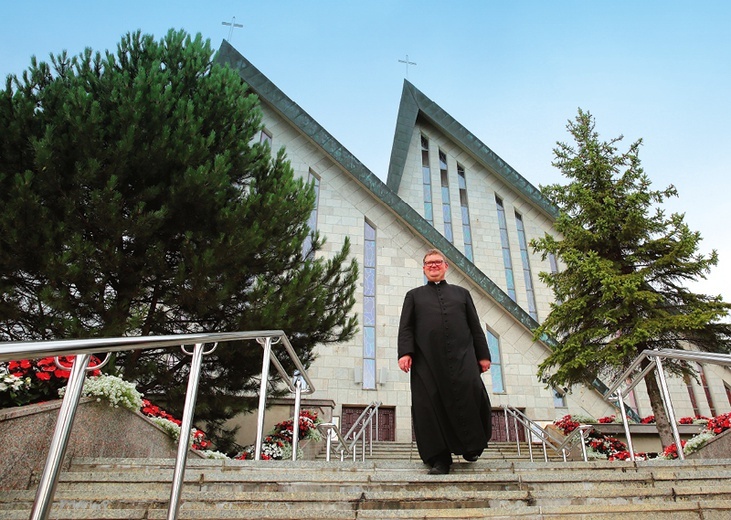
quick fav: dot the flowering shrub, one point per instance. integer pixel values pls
(567, 424)
(698, 419)
(34, 381)
(171, 425)
(720, 423)
(277, 445)
(607, 420)
(614, 449)
(31, 381)
(714, 426)
(152, 410)
(115, 390)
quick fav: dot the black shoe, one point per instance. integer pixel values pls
(472, 456)
(440, 468)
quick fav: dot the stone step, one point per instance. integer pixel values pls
(215, 489)
(387, 450)
(681, 510)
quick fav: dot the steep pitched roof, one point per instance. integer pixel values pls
(415, 104)
(288, 109)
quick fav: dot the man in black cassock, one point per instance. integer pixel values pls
(442, 343)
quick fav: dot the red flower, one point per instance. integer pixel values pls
(45, 376)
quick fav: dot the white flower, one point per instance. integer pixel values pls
(11, 382)
(210, 454)
(114, 389)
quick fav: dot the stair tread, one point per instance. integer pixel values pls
(120, 489)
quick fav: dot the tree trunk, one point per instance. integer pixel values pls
(664, 428)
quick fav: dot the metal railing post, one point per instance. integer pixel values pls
(625, 422)
(507, 426)
(191, 395)
(49, 479)
(583, 445)
(267, 342)
(669, 407)
(296, 418)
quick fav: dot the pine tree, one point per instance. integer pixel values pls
(627, 265)
(136, 201)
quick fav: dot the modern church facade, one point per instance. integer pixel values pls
(448, 190)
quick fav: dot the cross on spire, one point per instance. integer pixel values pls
(407, 62)
(233, 26)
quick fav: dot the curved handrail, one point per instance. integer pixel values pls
(84, 348)
(13, 350)
(358, 432)
(367, 417)
(560, 445)
(328, 429)
(631, 378)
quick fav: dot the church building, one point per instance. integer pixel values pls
(445, 189)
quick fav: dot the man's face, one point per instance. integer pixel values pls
(435, 268)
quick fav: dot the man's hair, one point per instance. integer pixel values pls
(432, 252)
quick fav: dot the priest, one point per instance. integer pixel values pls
(441, 342)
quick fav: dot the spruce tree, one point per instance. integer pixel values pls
(623, 287)
(136, 201)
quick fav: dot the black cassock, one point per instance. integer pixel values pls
(440, 329)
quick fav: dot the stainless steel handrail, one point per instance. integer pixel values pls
(361, 434)
(615, 391)
(84, 348)
(358, 432)
(328, 429)
(561, 445)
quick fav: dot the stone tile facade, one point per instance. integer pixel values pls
(350, 195)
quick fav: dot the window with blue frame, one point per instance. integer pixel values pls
(525, 259)
(426, 181)
(446, 205)
(369, 307)
(465, 210)
(307, 251)
(505, 244)
(496, 365)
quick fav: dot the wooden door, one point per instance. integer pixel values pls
(386, 421)
(500, 427)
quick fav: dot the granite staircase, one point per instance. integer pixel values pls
(380, 489)
(385, 450)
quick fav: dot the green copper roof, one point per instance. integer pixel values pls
(269, 93)
(415, 104)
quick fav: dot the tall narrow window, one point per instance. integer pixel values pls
(265, 137)
(426, 180)
(706, 390)
(553, 263)
(307, 251)
(465, 209)
(446, 206)
(507, 261)
(559, 398)
(496, 366)
(691, 395)
(527, 276)
(369, 308)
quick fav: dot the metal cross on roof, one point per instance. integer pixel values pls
(407, 62)
(233, 26)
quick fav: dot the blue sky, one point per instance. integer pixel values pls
(512, 72)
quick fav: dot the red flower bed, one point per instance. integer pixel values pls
(44, 379)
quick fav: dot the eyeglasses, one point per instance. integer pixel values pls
(434, 263)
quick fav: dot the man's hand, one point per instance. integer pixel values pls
(404, 363)
(484, 365)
